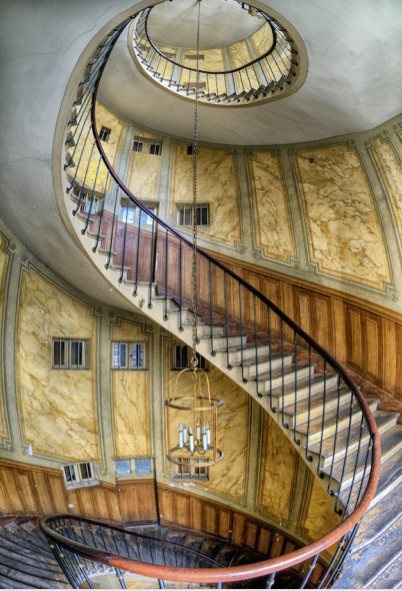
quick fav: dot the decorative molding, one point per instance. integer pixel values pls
(351, 143)
(257, 253)
(7, 444)
(241, 248)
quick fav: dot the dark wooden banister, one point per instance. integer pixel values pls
(266, 567)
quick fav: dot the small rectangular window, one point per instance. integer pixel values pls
(185, 214)
(80, 475)
(127, 213)
(155, 149)
(133, 466)
(138, 146)
(104, 134)
(145, 219)
(193, 56)
(190, 150)
(181, 358)
(70, 354)
(128, 355)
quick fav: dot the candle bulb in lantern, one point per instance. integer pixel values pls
(198, 430)
(180, 435)
(184, 434)
(204, 439)
(208, 432)
(191, 438)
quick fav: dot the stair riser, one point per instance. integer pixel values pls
(248, 355)
(250, 371)
(303, 393)
(264, 385)
(302, 417)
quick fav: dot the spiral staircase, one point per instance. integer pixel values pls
(248, 338)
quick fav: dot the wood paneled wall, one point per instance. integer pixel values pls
(364, 337)
(35, 490)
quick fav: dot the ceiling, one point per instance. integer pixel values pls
(175, 23)
(354, 80)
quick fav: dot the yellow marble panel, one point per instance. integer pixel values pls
(4, 263)
(272, 222)
(239, 56)
(130, 393)
(217, 185)
(391, 173)
(228, 477)
(277, 471)
(262, 39)
(213, 62)
(143, 179)
(57, 407)
(88, 169)
(166, 67)
(320, 517)
(344, 230)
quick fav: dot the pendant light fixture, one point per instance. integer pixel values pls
(191, 402)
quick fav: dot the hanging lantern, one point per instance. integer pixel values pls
(197, 436)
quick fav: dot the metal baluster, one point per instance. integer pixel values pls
(120, 576)
(256, 346)
(283, 373)
(277, 65)
(165, 315)
(94, 248)
(226, 320)
(217, 88)
(81, 565)
(355, 466)
(137, 255)
(64, 564)
(109, 256)
(91, 199)
(270, 581)
(330, 491)
(152, 264)
(309, 457)
(161, 584)
(123, 256)
(310, 570)
(295, 439)
(270, 358)
(339, 511)
(319, 472)
(210, 308)
(344, 555)
(327, 572)
(79, 162)
(364, 471)
(244, 379)
(181, 286)
(84, 181)
(208, 92)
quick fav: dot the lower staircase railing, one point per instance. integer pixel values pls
(301, 385)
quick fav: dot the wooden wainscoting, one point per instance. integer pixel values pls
(26, 489)
(366, 338)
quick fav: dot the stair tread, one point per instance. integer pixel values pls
(290, 370)
(7, 543)
(317, 399)
(327, 451)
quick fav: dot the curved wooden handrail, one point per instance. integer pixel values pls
(266, 567)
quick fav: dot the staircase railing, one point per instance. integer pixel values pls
(302, 386)
(270, 73)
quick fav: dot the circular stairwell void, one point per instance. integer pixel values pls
(246, 55)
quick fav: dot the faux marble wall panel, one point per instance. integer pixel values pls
(228, 477)
(87, 164)
(272, 222)
(217, 185)
(57, 407)
(390, 169)
(262, 39)
(4, 262)
(130, 393)
(320, 517)
(277, 471)
(144, 170)
(344, 230)
(239, 56)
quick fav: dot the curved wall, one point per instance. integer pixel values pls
(327, 212)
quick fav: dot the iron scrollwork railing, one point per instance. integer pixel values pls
(261, 77)
(304, 388)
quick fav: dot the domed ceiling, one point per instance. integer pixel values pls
(354, 80)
